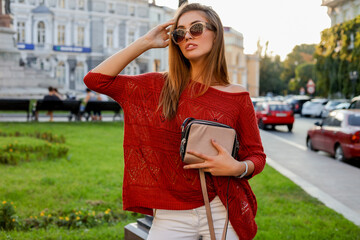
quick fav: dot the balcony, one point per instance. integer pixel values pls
(332, 3)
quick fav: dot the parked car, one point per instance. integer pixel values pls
(296, 102)
(331, 105)
(274, 113)
(338, 134)
(314, 107)
(255, 100)
(344, 105)
(355, 103)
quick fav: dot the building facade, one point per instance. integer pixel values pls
(342, 10)
(242, 68)
(67, 38)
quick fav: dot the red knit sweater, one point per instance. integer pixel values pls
(154, 176)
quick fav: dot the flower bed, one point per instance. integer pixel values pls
(19, 147)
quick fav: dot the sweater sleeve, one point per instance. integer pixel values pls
(123, 87)
(108, 85)
(249, 137)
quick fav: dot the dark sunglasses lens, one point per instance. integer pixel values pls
(178, 35)
(196, 29)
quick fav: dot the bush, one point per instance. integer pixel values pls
(8, 220)
(18, 147)
(87, 218)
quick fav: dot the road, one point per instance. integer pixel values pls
(298, 135)
(319, 174)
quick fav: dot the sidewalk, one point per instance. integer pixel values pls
(336, 184)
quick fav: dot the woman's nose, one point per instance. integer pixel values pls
(188, 35)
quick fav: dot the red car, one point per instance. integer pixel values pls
(338, 134)
(274, 113)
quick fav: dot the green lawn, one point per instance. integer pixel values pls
(90, 178)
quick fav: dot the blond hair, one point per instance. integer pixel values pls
(179, 73)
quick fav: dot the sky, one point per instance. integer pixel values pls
(284, 23)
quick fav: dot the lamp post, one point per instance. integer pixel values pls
(353, 78)
(181, 2)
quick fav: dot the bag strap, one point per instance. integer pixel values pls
(208, 209)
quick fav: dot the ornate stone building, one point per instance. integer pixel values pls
(67, 38)
(342, 10)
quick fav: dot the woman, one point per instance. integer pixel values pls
(156, 104)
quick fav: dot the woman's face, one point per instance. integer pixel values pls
(195, 49)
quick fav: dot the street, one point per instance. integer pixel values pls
(298, 135)
(319, 174)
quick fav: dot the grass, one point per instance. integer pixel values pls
(92, 178)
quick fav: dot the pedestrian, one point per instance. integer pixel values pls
(156, 182)
(52, 96)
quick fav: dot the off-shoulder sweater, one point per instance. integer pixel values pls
(154, 177)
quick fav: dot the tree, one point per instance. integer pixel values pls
(270, 70)
(303, 73)
(300, 54)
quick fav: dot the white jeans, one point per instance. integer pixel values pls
(190, 224)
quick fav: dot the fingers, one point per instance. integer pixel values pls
(199, 155)
(217, 146)
(195, 166)
(167, 24)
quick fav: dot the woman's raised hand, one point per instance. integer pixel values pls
(158, 37)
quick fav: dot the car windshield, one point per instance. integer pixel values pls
(333, 104)
(354, 120)
(279, 107)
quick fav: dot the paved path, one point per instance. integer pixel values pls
(58, 117)
(334, 183)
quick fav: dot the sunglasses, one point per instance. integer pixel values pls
(195, 30)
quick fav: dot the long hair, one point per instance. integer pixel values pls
(179, 73)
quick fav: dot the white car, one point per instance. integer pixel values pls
(313, 107)
(331, 105)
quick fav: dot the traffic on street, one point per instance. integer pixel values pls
(298, 136)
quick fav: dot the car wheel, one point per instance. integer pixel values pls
(290, 127)
(261, 124)
(339, 154)
(310, 145)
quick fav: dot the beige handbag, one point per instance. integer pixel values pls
(196, 135)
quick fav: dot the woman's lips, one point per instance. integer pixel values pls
(190, 46)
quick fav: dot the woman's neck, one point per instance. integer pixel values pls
(196, 70)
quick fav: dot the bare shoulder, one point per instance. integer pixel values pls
(236, 88)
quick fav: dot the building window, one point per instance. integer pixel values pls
(156, 65)
(345, 15)
(21, 32)
(61, 73)
(81, 36)
(357, 10)
(109, 38)
(21, 1)
(61, 3)
(79, 76)
(41, 33)
(111, 8)
(81, 5)
(131, 36)
(132, 69)
(132, 11)
(61, 35)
